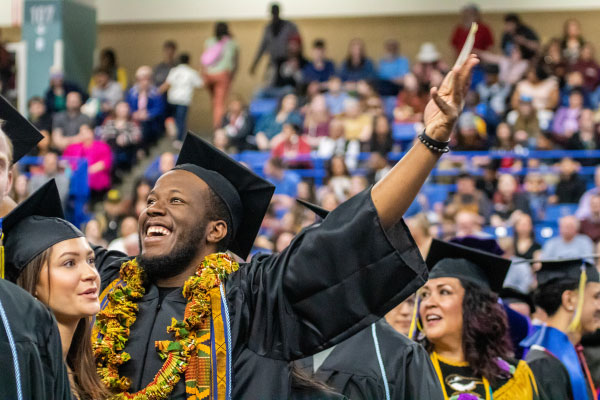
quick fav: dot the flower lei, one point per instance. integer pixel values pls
(113, 325)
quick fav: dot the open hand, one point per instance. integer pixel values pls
(447, 101)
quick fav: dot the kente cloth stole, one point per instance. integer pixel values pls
(208, 375)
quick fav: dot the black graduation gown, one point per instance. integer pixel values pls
(335, 279)
(352, 368)
(550, 374)
(38, 347)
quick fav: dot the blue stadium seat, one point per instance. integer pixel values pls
(545, 231)
(436, 193)
(498, 232)
(260, 107)
(556, 212)
(403, 132)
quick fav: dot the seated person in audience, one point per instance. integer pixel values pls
(583, 210)
(357, 65)
(468, 197)
(335, 96)
(430, 68)
(470, 137)
(285, 181)
(270, 125)
(42, 121)
(590, 226)
(536, 191)
(289, 70)
(93, 233)
(570, 186)
(381, 139)
(99, 158)
(570, 243)
(483, 38)
(573, 80)
(517, 34)
(504, 139)
(67, 124)
(524, 244)
(393, 67)
(587, 138)
(511, 68)
(113, 212)
(56, 95)
(468, 223)
(316, 120)
(105, 91)
(526, 120)
(290, 144)
(51, 170)
(357, 124)
(147, 105)
(566, 119)
(123, 135)
(165, 163)
(338, 177)
(377, 167)
(335, 143)
(238, 126)
(508, 201)
(552, 58)
(411, 101)
(127, 228)
(572, 41)
(540, 87)
(588, 67)
(492, 92)
(320, 68)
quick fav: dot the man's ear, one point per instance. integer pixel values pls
(569, 300)
(216, 231)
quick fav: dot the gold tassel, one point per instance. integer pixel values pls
(576, 321)
(415, 319)
(2, 256)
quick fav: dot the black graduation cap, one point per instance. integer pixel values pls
(567, 269)
(34, 226)
(245, 194)
(455, 260)
(23, 135)
(319, 211)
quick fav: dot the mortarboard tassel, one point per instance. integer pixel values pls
(576, 321)
(414, 322)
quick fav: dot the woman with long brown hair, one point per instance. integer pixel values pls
(464, 327)
(52, 260)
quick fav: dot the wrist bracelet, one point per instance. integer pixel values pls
(434, 145)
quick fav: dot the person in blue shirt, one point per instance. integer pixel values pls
(320, 69)
(392, 68)
(357, 66)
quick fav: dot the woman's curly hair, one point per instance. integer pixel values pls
(485, 335)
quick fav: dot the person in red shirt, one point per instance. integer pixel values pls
(292, 147)
(483, 38)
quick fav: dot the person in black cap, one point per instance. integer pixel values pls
(569, 292)
(30, 344)
(334, 280)
(52, 260)
(376, 363)
(465, 328)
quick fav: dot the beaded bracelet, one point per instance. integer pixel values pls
(434, 145)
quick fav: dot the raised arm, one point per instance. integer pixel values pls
(393, 194)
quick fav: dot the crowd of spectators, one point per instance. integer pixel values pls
(333, 129)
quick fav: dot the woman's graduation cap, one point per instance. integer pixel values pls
(23, 135)
(460, 259)
(34, 226)
(574, 269)
(245, 194)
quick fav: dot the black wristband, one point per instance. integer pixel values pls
(434, 145)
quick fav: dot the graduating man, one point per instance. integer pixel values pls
(31, 353)
(569, 292)
(183, 319)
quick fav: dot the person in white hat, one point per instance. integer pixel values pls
(430, 68)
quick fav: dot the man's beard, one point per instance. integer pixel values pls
(178, 260)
